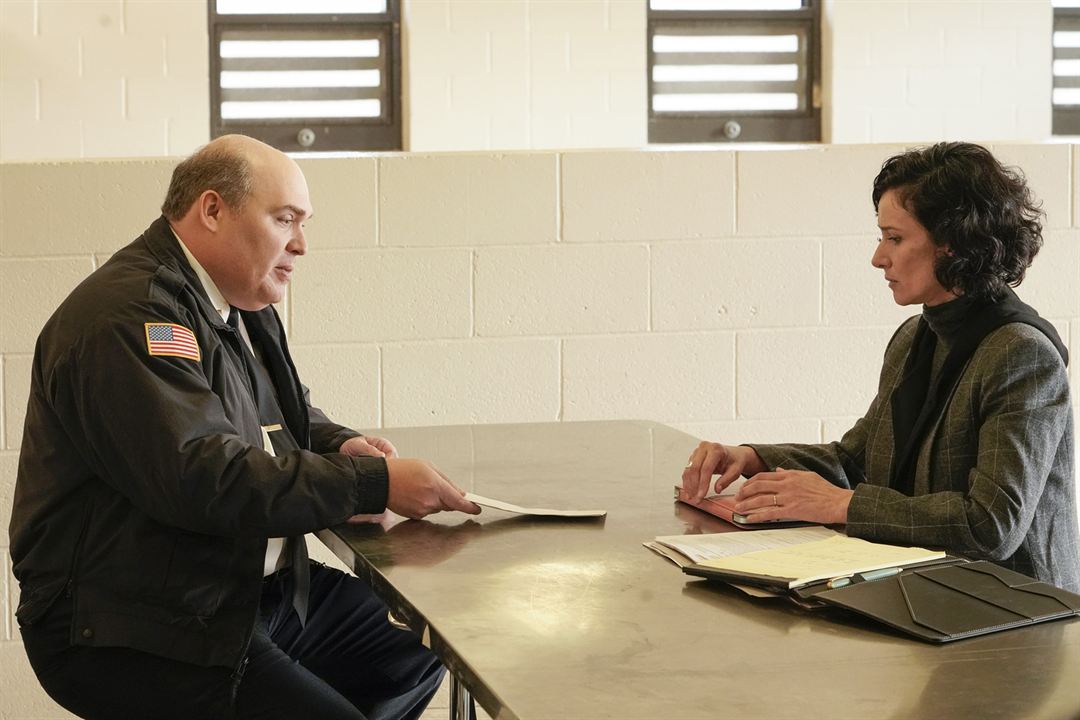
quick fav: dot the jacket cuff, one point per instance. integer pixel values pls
(771, 455)
(862, 510)
(372, 485)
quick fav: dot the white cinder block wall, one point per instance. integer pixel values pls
(128, 78)
(915, 70)
(726, 293)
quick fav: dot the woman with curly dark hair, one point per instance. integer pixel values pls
(968, 444)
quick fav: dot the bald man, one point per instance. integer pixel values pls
(171, 464)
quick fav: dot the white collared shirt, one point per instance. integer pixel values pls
(274, 546)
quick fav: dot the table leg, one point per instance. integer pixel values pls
(460, 699)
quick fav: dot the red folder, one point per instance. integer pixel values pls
(723, 507)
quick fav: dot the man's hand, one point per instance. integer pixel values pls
(417, 489)
(708, 459)
(795, 495)
(372, 446)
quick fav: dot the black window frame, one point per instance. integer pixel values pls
(1065, 119)
(802, 125)
(330, 134)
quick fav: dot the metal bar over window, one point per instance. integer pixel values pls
(723, 70)
(307, 75)
(1065, 97)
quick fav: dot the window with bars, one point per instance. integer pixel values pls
(1065, 99)
(307, 75)
(734, 70)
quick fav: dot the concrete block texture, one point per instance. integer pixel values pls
(430, 200)
(72, 18)
(17, 370)
(112, 57)
(453, 452)
(170, 98)
(735, 283)
(562, 289)
(107, 138)
(101, 95)
(478, 381)
(813, 191)
(364, 295)
(345, 199)
(944, 86)
(186, 133)
(833, 428)
(30, 290)
(23, 697)
(1019, 14)
(1046, 168)
(1052, 283)
(808, 372)
(574, 90)
(65, 138)
(735, 432)
(918, 125)
(485, 16)
(639, 196)
(487, 94)
(921, 49)
(17, 18)
(344, 381)
(854, 292)
(9, 466)
(552, 16)
(181, 24)
(995, 120)
(21, 95)
(107, 204)
(665, 377)
(988, 48)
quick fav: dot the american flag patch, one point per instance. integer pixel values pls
(172, 340)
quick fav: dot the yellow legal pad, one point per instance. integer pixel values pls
(835, 557)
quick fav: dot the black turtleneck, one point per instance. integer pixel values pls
(946, 337)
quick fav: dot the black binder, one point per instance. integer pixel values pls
(951, 602)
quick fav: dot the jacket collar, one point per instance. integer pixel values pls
(162, 243)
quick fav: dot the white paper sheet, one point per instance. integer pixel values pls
(699, 548)
(510, 507)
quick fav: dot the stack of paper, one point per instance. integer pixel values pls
(803, 563)
(698, 548)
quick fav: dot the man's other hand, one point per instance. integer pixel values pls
(418, 489)
(369, 445)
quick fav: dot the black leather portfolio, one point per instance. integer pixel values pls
(952, 602)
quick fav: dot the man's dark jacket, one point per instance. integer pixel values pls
(143, 488)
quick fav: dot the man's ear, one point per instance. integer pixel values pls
(211, 208)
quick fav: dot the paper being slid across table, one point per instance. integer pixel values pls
(544, 512)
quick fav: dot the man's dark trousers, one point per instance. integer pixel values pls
(347, 663)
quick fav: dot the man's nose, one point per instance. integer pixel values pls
(298, 244)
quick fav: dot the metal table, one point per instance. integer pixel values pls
(543, 618)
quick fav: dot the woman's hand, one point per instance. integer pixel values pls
(793, 495)
(708, 459)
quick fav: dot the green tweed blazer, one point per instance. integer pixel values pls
(995, 477)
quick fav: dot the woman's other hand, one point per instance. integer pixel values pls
(793, 495)
(728, 461)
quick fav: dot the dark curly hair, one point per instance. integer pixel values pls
(982, 211)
